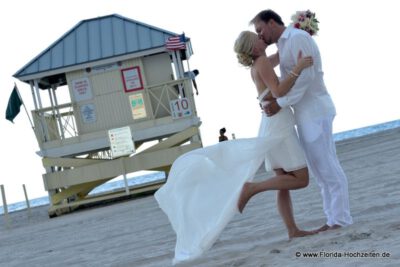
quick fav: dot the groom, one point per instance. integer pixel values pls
(314, 112)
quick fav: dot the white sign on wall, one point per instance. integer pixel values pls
(104, 68)
(132, 79)
(137, 106)
(121, 142)
(88, 113)
(81, 89)
(180, 108)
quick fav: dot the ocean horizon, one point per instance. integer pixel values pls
(156, 176)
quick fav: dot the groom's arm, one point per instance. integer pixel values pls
(304, 44)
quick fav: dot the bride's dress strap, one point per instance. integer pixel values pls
(263, 94)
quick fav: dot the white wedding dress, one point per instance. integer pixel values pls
(201, 193)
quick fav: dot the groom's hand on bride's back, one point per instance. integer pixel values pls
(271, 108)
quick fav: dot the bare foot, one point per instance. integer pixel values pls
(334, 227)
(326, 227)
(300, 233)
(245, 196)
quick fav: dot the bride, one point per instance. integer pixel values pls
(287, 159)
(206, 187)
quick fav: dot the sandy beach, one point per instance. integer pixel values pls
(137, 232)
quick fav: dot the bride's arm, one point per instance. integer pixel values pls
(268, 75)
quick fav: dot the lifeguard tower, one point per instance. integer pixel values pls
(129, 108)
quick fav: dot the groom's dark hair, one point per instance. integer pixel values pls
(267, 15)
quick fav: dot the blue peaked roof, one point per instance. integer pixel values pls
(96, 39)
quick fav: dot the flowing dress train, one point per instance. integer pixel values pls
(203, 187)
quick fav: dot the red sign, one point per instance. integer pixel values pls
(132, 79)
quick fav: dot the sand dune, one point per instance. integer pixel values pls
(137, 232)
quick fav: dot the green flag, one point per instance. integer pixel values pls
(14, 104)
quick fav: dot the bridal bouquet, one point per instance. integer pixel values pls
(305, 20)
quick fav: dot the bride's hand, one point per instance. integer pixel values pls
(268, 97)
(304, 62)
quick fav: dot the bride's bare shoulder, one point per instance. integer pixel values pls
(261, 60)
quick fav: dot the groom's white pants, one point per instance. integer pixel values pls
(317, 140)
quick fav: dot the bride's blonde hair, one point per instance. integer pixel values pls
(244, 47)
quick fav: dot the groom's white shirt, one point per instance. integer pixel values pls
(308, 96)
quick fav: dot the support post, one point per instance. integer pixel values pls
(125, 179)
(57, 110)
(5, 208)
(28, 206)
(126, 185)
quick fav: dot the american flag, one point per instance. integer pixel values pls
(176, 42)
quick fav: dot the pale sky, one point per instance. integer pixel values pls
(357, 39)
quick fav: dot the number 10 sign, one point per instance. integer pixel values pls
(180, 108)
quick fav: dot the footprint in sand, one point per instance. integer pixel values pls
(275, 251)
(396, 226)
(359, 236)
